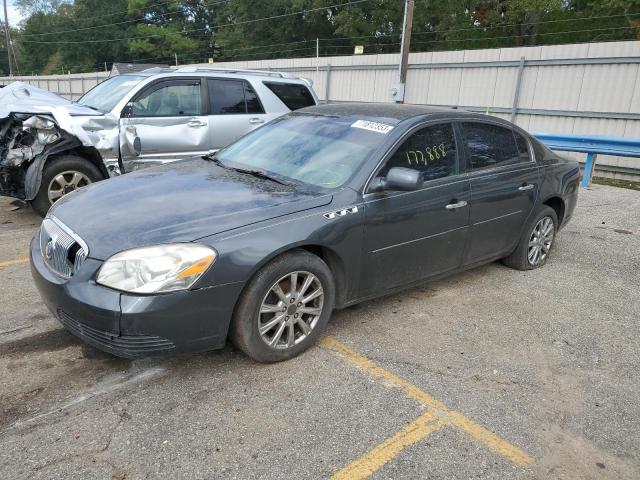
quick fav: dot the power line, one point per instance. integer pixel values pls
(478, 28)
(244, 22)
(116, 23)
(524, 35)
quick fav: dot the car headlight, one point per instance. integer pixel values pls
(161, 268)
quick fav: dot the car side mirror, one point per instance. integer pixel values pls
(398, 179)
(127, 111)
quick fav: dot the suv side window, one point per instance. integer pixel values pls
(169, 100)
(229, 96)
(489, 146)
(430, 150)
(293, 95)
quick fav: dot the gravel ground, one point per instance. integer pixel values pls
(548, 360)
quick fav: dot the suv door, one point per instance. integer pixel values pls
(413, 235)
(234, 110)
(504, 187)
(163, 122)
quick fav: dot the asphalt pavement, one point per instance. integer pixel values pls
(491, 373)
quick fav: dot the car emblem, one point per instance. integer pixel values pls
(48, 249)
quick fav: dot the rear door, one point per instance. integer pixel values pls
(413, 235)
(234, 110)
(504, 183)
(164, 122)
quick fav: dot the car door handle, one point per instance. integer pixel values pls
(524, 188)
(453, 206)
(255, 121)
(197, 123)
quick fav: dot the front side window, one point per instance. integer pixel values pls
(171, 100)
(232, 97)
(489, 146)
(430, 150)
(293, 95)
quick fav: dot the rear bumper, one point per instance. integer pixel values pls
(132, 326)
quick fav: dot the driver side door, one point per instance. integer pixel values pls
(164, 122)
(410, 236)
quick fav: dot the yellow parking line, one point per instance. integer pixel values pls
(378, 456)
(439, 409)
(17, 261)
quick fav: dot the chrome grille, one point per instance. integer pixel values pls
(62, 250)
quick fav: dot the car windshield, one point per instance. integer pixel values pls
(108, 93)
(319, 150)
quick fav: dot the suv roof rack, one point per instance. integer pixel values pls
(267, 73)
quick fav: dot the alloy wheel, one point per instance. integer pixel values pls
(66, 182)
(540, 241)
(290, 310)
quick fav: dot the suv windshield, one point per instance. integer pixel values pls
(318, 150)
(107, 94)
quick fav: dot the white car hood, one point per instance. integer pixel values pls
(93, 129)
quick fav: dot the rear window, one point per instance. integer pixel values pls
(293, 95)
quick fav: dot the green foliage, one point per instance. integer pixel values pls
(54, 37)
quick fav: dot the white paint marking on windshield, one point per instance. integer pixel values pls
(372, 126)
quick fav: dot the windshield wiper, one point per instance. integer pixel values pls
(214, 158)
(255, 173)
(259, 174)
(89, 106)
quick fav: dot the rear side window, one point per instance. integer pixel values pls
(293, 95)
(489, 146)
(232, 97)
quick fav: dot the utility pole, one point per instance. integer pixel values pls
(8, 38)
(398, 90)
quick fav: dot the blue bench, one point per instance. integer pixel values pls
(592, 145)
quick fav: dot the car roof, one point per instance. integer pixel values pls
(392, 113)
(207, 70)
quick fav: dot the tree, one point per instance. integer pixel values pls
(81, 35)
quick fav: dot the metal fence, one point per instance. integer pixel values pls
(71, 85)
(585, 89)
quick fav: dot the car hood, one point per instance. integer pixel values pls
(179, 202)
(92, 128)
(24, 98)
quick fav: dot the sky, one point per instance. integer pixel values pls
(14, 14)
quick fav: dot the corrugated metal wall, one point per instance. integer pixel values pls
(577, 88)
(589, 89)
(71, 86)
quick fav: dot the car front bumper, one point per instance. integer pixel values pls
(132, 326)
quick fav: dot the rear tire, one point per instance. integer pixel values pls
(284, 308)
(536, 241)
(73, 172)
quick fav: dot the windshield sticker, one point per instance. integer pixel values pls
(372, 126)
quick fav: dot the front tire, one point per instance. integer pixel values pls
(60, 176)
(284, 308)
(536, 241)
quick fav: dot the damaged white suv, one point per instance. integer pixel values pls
(50, 146)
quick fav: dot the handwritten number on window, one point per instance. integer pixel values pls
(434, 152)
